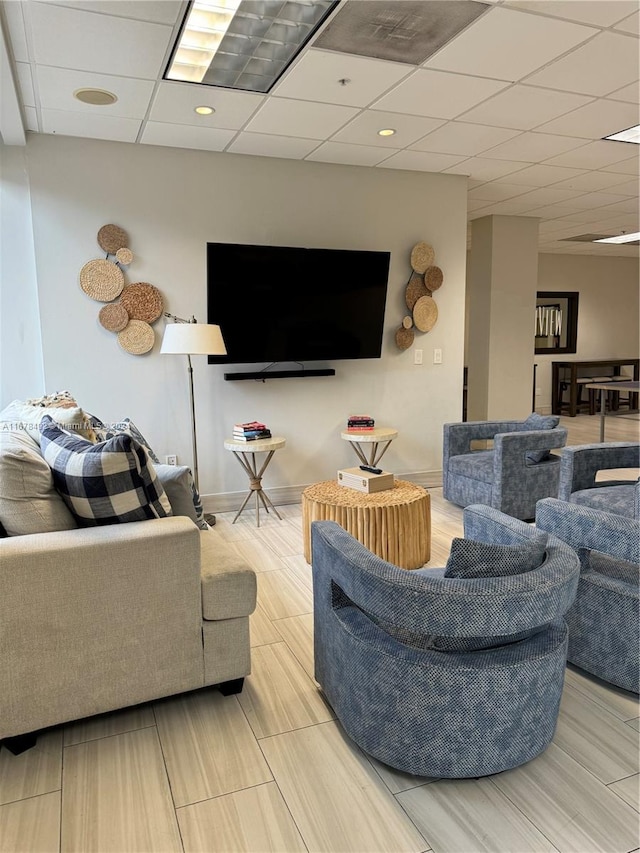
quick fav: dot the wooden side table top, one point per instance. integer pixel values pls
(329, 492)
(258, 445)
(375, 434)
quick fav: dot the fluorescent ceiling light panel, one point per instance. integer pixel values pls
(631, 134)
(622, 238)
(244, 44)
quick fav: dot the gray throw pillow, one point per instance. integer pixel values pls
(177, 481)
(536, 421)
(472, 559)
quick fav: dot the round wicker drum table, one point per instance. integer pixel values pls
(395, 524)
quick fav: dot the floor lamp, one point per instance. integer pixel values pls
(188, 337)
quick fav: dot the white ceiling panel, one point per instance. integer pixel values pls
(602, 13)
(627, 93)
(25, 82)
(438, 94)
(496, 191)
(542, 176)
(595, 120)
(31, 119)
(549, 195)
(363, 129)
(555, 211)
(57, 85)
(316, 77)
(510, 207)
(176, 103)
(629, 205)
(353, 155)
(533, 147)
(186, 136)
(592, 201)
(157, 11)
(594, 181)
(481, 169)
(108, 44)
(15, 24)
(268, 145)
(524, 107)
(593, 155)
(115, 128)
(420, 162)
(457, 137)
(508, 44)
(305, 119)
(630, 24)
(628, 188)
(473, 205)
(624, 167)
(603, 65)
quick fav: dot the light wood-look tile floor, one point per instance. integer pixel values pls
(272, 770)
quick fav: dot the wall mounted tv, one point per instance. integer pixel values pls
(283, 303)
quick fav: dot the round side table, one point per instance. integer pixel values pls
(395, 524)
(245, 453)
(373, 437)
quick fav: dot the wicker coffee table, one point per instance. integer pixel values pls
(395, 524)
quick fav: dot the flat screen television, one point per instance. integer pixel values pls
(289, 304)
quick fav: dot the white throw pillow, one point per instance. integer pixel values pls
(21, 416)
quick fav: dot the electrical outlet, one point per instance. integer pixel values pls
(171, 459)
(437, 356)
(417, 356)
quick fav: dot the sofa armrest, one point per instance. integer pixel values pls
(228, 582)
(580, 464)
(458, 436)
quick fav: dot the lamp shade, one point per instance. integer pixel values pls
(193, 339)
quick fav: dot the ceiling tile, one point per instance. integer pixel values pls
(316, 78)
(629, 205)
(107, 44)
(363, 129)
(419, 161)
(496, 191)
(25, 82)
(624, 167)
(508, 44)
(595, 120)
(601, 14)
(186, 136)
(115, 128)
(590, 70)
(352, 155)
(510, 207)
(303, 119)
(593, 155)
(57, 85)
(629, 188)
(549, 195)
(176, 103)
(457, 137)
(15, 25)
(524, 107)
(542, 176)
(473, 205)
(554, 211)
(533, 147)
(437, 94)
(591, 201)
(627, 93)
(630, 24)
(481, 169)
(269, 145)
(553, 226)
(157, 11)
(594, 181)
(31, 117)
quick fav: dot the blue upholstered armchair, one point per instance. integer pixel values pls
(579, 465)
(604, 621)
(438, 675)
(511, 477)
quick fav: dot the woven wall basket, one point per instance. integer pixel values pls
(404, 338)
(124, 256)
(102, 280)
(113, 317)
(143, 302)
(425, 313)
(137, 338)
(433, 278)
(414, 290)
(111, 238)
(422, 256)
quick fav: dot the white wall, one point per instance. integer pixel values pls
(171, 202)
(608, 310)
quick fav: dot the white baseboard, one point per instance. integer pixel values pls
(231, 501)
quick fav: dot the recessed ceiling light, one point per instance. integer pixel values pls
(95, 97)
(631, 134)
(622, 238)
(204, 111)
(386, 131)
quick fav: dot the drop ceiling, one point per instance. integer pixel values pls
(518, 101)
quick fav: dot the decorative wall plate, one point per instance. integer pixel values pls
(102, 280)
(124, 256)
(143, 301)
(404, 338)
(425, 313)
(113, 317)
(407, 322)
(111, 238)
(137, 338)
(422, 256)
(414, 290)
(433, 278)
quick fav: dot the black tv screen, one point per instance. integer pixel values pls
(282, 303)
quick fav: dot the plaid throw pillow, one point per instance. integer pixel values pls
(108, 483)
(472, 559)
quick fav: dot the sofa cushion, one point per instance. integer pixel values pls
(29, 502)
(112, 482)
(126, 425)
(228, 582)
(536, 421)
(177, 481)
(472, 559)
(22, 416)
(477, 465)
(617, 499)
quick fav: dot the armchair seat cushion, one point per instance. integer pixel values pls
(617, 499)
(477, 465)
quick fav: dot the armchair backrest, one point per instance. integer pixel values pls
(579, 465)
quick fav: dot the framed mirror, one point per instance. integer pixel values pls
(556, 322)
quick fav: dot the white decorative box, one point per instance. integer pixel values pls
(365, 481)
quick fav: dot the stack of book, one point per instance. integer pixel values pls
(360, 422)
(250, 431)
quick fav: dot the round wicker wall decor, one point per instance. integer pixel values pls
(137, 337)
(111, 238)
(124, 256)
(433, 278)
(422, 256)
(102, 280)
(143, 301)
(404, 338)
(414, 290)
(425, 313)
(113, 317)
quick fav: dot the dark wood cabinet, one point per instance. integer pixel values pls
(565, 375)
